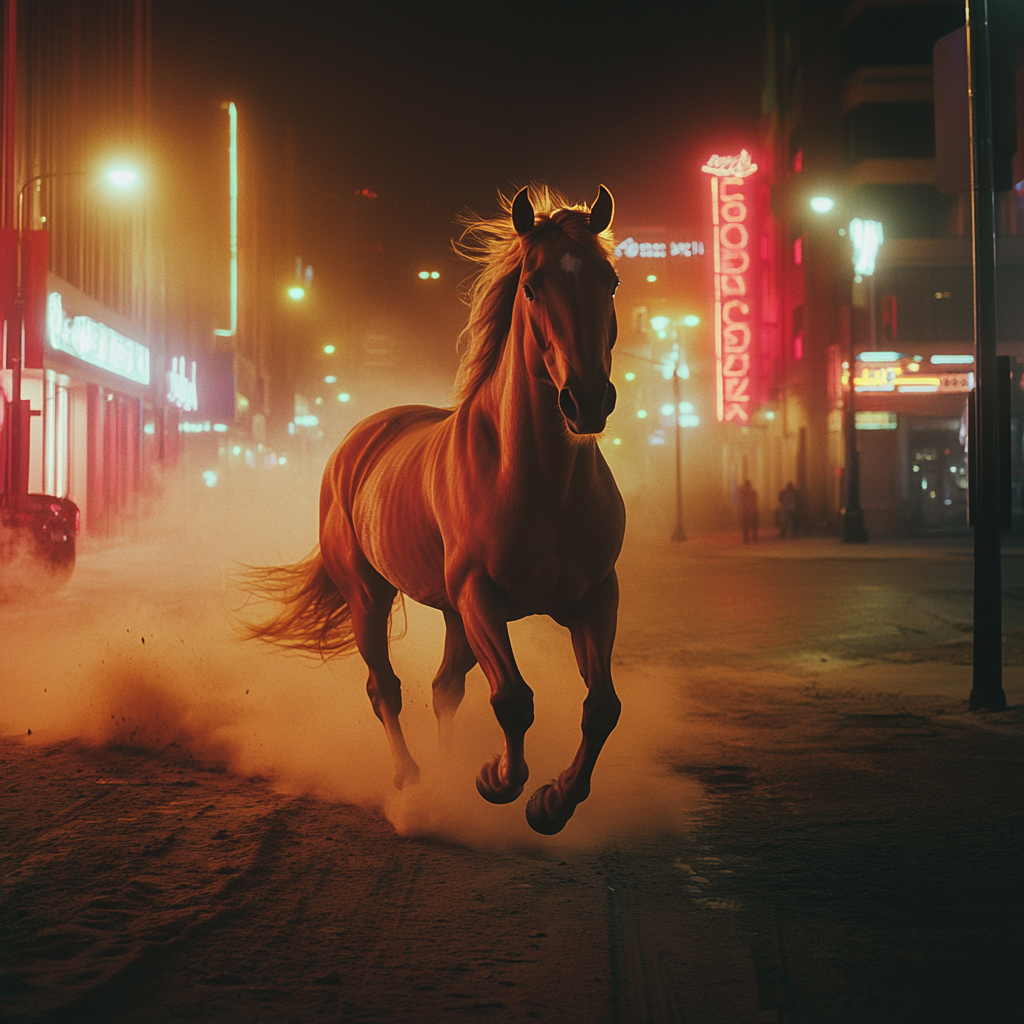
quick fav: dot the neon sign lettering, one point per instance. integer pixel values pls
(181, 391)
(730, 166)
(630, 248)
(95, 343)
(730, 209)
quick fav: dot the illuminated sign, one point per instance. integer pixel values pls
(95, 343)
(734, 318)
(630, 248)
(181, 391)
(899, 374)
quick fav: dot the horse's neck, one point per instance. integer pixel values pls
(532, 437)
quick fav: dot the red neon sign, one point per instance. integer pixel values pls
(730, 217)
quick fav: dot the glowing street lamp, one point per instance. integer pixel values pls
(866, 236)
(296, 292)
(123, 177)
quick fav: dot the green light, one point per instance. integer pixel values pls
(329, 349)
(617, 440)
(434, 275)
(233, 201)
(123, 177)
(691, 320)
(631, 375)
(296, 293)
(651, 278)
(424, 274)
(641, 414)
(659, 323)
(822, 204)
(344, 396)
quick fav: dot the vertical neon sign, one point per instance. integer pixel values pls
(730, 218)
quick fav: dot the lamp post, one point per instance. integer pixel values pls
(676, 365)
(866, 236)
(121, 177)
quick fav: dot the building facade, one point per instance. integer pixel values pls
(848, 135)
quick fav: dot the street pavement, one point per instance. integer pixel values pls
(797, 820)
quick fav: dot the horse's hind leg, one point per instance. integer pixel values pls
(592, 626)
(370, 601)
(449, 684)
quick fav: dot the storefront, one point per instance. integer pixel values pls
(911, 434)
(98, 412)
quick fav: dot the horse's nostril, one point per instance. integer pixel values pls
(568, 405)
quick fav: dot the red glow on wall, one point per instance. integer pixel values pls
(798, 251)
(731, 200)
(798, 161)
(798, 346)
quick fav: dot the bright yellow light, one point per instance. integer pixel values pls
(329, 349)
(123, 177)
(296, 292)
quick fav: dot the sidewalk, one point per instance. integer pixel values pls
(770, 545)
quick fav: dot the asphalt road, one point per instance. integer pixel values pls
(797, 820)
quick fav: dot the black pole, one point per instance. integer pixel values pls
(853, 531)
(987, 690)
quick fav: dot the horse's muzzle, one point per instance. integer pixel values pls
(587, 414)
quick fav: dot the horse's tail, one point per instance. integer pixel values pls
(313, 617)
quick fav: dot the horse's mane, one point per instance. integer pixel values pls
(491, 292)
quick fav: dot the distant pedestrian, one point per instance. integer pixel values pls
(789, 499)
(748, 512)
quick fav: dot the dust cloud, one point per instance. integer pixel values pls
(140, 648)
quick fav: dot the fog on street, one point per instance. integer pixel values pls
(797, 819)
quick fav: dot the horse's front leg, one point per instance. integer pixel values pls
(485, 618)
(592, 625)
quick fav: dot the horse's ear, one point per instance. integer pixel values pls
(522, 212)
(602, 211)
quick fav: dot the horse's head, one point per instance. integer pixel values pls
(565, 304)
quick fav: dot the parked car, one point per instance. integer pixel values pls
(46, 528)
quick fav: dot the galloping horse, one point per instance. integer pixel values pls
(499, 508)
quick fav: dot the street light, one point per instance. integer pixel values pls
(296, 292)
(121, 177)
(866, 236)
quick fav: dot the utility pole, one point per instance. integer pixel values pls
(987, 689)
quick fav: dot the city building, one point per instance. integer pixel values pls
(848, 137)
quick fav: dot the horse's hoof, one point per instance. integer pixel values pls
(492, 789)
(408, 775)
(539, 819)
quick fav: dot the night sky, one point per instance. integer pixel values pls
(435, 108)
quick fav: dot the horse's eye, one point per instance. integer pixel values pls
(528, 292)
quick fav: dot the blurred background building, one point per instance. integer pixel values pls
(849, 131)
